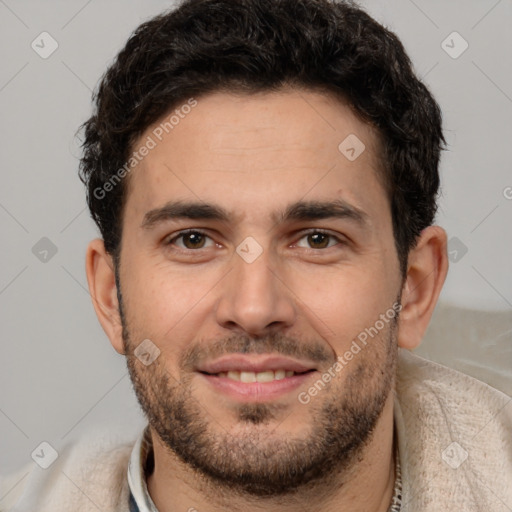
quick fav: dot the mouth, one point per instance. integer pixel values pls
(255, 379)
(264, 376)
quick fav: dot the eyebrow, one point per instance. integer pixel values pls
(318, 210)
(301, 210)
(184, 210)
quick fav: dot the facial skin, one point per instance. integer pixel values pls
(305, 298)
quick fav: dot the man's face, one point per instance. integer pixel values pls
(275, 252)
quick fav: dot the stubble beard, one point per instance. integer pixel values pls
(257, 461)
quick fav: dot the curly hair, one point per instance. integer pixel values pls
(251, 46)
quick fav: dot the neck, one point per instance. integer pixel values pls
(366, 486)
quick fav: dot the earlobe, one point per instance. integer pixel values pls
(103, 290)
(426, 273)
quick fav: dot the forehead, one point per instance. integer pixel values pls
(252, 151)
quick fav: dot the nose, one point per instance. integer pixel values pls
(255, 299)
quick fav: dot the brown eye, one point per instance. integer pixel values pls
(318, 240)
(191, 240)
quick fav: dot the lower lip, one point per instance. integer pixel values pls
(257, 391)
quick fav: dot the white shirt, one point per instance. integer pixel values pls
(137, 473)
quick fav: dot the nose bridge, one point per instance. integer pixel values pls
(255, 279)
(255, 299)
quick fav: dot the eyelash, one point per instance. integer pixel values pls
(304, 234)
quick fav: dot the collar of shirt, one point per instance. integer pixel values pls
(142, 459)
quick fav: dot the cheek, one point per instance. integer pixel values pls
(344, 302)
(165, 306)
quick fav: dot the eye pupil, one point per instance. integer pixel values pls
(193, 240)
(318, 240)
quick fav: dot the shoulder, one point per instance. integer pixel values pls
(454, 432)
(87, 473)
(428, 384)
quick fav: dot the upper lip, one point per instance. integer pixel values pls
(255, 363)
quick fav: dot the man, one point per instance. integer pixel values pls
(264, 175)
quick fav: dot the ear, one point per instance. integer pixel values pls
(426, 271)
(99, 267)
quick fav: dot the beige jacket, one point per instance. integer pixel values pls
(455, 442)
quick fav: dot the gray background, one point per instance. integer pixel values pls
(59, 375)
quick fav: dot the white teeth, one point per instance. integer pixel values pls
(265, 376)
(248, 377)
(280, 374)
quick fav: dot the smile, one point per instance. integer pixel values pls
(261, 387)
(265, 376)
